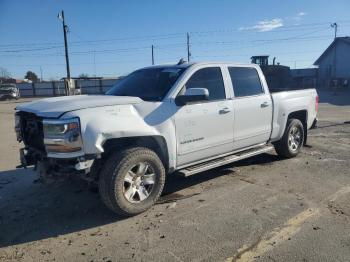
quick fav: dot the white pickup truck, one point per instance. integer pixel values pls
(188, 118)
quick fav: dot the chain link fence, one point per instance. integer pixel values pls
(57, 88)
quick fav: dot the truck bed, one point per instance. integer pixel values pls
(276, 90)
(292, 101)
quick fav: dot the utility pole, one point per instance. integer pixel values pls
(188, 48)
(335, 26)
(152, 55)
(41, 74)
(334, 73)
(65, 30)
(94, 63)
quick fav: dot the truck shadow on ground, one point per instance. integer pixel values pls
(333, 125)
(176, 183)
(32, 211)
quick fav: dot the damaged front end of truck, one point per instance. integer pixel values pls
(53, 146)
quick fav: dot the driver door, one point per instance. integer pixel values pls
(204, 129)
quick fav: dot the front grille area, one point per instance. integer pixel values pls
(5, 92)
(32, 131)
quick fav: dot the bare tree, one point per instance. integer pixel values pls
(4, 73)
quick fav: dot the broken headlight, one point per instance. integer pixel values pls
(62, 136)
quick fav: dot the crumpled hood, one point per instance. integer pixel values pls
(54, 107)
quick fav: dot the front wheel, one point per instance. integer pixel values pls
(131, 181)
(292, 139)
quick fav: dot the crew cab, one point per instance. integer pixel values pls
(184, 118)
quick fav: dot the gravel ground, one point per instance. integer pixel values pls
(263, 209)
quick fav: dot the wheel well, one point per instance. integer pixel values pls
(302, 116)
(155, 143)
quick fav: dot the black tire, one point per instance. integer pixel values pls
(112, 180)
(283, 147)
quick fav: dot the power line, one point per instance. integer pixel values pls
(246, 44)
(175, 35)
(238, 44)
(116, 61)
(111, 50)
(141, 38)
(160, 46)
(30, 50)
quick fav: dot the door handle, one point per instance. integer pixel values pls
(224, 110)
(265, 104)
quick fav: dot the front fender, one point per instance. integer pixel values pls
(103, 123)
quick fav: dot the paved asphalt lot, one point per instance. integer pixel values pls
(263, 209)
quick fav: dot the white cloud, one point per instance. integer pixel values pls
(299, 16)
(265, 25)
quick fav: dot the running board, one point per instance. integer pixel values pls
(191, 170)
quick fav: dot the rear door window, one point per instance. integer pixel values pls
(245, 81)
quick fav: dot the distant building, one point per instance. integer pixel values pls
(10, 80)
(334, 63)
(305, 77)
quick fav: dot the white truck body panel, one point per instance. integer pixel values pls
(194, 144)
(292, 101)
(54, 107)
(192, 133)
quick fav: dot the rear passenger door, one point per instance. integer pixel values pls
(204, 129)
(252, 108)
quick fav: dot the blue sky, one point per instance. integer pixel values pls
(112, 38)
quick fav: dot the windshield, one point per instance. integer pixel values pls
(150, 84)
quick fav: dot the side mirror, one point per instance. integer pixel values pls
(192, 95)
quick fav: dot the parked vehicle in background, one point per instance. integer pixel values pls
(185, 118)
(9, 91)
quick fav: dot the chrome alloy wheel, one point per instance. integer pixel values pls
(294, 139)
(139, 182)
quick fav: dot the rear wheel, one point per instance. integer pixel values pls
(292, 139)
(131, 181)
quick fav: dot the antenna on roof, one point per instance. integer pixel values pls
(182, 61)
(335, 26)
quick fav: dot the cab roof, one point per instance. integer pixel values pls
(188, 64)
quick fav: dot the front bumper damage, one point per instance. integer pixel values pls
(57, 167)
(29, 129)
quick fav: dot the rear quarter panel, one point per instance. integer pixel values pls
(288, 102)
